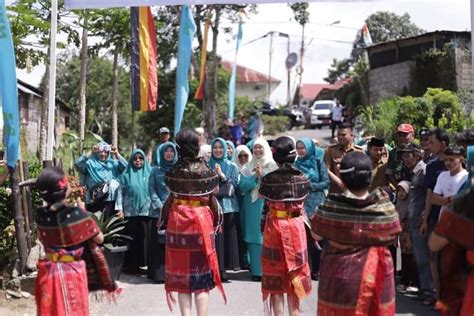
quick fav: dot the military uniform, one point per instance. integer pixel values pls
(379, 174)
(333, 156)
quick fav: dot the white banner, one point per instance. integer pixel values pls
(89, 4)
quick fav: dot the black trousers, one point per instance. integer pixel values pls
(156, 255)
(409, 273)
(227, 244)
(137, 227)
(334, 125)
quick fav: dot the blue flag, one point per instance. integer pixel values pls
(8, 89)
(187, 28)
(233, 76)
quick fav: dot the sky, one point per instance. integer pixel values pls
(323, 40)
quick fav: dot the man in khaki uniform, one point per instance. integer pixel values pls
(334, 154)
(376, 149)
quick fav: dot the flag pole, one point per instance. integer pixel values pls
(52, 80)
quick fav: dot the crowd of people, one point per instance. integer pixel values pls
(290, 213)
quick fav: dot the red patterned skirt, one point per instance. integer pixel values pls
(191, 260)
(61, 287)
(356, 281)
(285, 266)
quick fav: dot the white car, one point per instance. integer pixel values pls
(320, 113)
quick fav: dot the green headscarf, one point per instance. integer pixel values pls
(135, 181)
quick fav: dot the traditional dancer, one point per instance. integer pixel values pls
(356, 273)
(191, 215)
(453, 238)
(64, 230)
(285, 268)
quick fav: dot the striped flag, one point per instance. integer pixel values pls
(366, 35)
(199, 95)
(143, 66)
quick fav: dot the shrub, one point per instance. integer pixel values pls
(274, 125)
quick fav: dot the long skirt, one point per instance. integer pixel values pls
(227, 244)
(285, 266)
(156, 255)
(61, 289)
(356, 281)
(137, 227)
(191, 259)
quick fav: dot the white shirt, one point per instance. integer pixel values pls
(336, 113)
(448, 185)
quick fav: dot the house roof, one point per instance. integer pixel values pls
(30, 89)
(247, 75)
(310, 91)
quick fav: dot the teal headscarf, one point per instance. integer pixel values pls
(101, 171)
(161, 161)
(223, 161)
(230, 144)
(308, 162)
(135, 181)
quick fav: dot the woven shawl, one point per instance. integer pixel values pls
(364, 222)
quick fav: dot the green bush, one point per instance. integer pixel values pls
(415, 111)
(274, 125)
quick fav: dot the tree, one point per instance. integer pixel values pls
(383, 26)
(301, 13)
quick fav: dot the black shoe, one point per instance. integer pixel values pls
(315, 277)
(256, 278)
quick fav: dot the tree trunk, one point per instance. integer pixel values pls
(211, 82)
(18, 219)
(43, 131)
(82, 82)
(114, 99)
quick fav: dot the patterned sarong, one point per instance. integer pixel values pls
(61, 287)
(285, 266)
(191, 259)
(356, 273)
(455, 262)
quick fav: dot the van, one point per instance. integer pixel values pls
(319, 114)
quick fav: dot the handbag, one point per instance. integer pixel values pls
(100, 192)
(226, 189)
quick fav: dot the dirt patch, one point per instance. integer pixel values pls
(17, 307)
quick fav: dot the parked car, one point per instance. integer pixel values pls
(319, 114)
(296, 116)
(268, 109)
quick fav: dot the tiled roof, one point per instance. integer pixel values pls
(310, 91)
(247, 75)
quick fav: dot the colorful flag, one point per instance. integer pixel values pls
(233, 76)
(143, 67)
(199, 95)
(187, 28)
(366, 35)
(8, 90)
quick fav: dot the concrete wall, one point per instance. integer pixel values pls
(254, 91)
(389, 81)
(464, 78)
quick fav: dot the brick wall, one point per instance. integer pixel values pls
(389, 81)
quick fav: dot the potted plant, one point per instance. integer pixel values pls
(115, 242)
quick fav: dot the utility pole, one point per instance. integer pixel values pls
(270, 67)
(300, 70)
(288, 70)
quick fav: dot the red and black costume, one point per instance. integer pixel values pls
(191, 214)
(62, 285)
(285, 266)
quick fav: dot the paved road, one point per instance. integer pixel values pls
(323, 135)
(142, 297)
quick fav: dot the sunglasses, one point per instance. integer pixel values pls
(243, 155)
(138, 158)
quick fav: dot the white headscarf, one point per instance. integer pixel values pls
(267, 163)
(238, 150)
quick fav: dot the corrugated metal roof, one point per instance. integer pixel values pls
(247, 75)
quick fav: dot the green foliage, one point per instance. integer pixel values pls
(274, 124)
(436, 108)
(112, 228)
(434, 68)
(301, 12)
(29, 17)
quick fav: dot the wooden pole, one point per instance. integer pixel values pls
(19, 220)
(24, 205)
